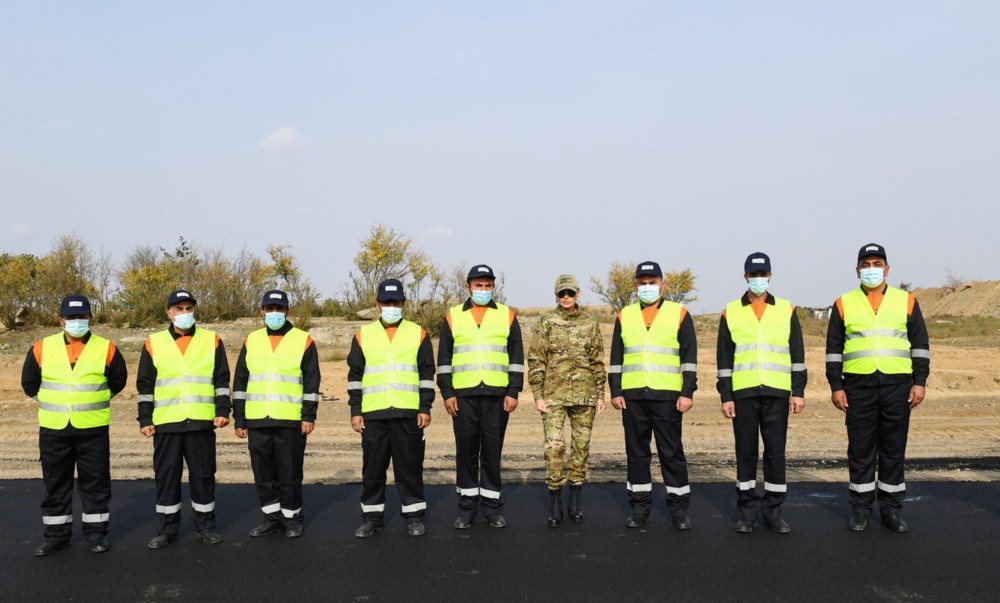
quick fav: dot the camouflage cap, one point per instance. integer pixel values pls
(567, 281)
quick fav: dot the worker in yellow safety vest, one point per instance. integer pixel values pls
(390, 389)
(480, 373)
(761, 377)
(652, 376)
(275, 399)
(183, 386)
(877, 362)
(73, 375)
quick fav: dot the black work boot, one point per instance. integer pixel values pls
(555, 508)
(575, 513)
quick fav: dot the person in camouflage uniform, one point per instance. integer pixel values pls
(567, 376)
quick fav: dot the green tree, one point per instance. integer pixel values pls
(68, 268)
(618, 287)
(17, 285)
(229, 287)
(679, 286)
(386, 253)
(285, 273)
(147, 277)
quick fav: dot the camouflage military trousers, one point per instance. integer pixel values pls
(581, 420)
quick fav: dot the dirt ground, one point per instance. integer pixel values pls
(953, 434)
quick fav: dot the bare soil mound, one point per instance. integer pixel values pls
(975, 298)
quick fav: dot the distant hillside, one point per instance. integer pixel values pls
(975, 298)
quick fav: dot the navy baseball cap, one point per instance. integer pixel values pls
(872, 249)
(757, 262)
(390, 290)
(648, 269)
(74, 304)
(480, 271)
(274, 297)
(179, 296)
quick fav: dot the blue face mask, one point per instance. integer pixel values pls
(77, 327)
(872, 277)
(184, 321)
(757, 284)
(274, 320)
(391, 315)
(648, 293)
(481, 298)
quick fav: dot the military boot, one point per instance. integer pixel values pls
(555, 508)
(575, 513)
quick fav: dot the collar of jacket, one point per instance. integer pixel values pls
(746, 299)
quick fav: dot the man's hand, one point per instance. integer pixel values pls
(221, 421)
(451, 405)
(729, 409)
(618, 402)
(796, 404)
(839, 399)
(240, 432)
(358, 423)
(601, 406)
(684, 404)
(917, 393)
(423, 420)
(307, 427)
(540, 406)
(148, 431)
(509, 404)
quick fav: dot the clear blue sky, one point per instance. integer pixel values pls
(538, 137)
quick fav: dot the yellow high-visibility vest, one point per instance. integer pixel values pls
(184, 386)
(275, 386)
(480, 352)
(763, 356)
(391, 378)
(652, 356)
(77, 395)
(876, 342)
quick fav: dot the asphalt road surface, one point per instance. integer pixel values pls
(950, 554)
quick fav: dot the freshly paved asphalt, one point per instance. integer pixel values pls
(951, 553)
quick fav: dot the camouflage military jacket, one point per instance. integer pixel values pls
(566, 358)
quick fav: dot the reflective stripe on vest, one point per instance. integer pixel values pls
(77, 395)
(184, 386)
(652, 356)
(480, 352)
(391, 379)
(275, 386)
(876, 341)
(762, 355)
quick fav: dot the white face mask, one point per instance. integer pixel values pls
(757, 284)
(648, 293)
(872, 277)
(77, 327)
(184, 321)
(391, 315)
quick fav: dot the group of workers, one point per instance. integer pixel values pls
(877, 363)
